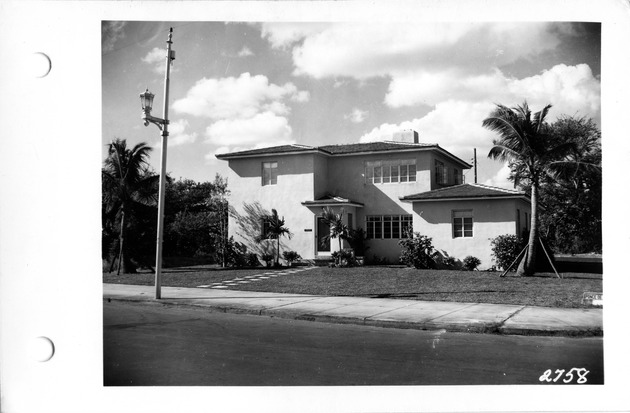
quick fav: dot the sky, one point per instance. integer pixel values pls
(237, 85)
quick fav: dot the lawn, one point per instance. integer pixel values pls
(392, 282)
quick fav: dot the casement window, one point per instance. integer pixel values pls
(462, 224)
(269, 173)
(441, 173)
(391, 171)
(388, 226)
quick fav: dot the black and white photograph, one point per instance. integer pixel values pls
(315, 206)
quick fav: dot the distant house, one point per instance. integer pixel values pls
(383, 187)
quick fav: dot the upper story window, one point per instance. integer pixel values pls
(447, 176)
(462, 224)
(391, 171)
(269, 173)
(441, 173)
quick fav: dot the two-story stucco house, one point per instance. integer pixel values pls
(383, 187)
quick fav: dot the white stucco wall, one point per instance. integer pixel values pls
(491, 218)
(295, 184)
(346, 178)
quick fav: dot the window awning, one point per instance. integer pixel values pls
(332, 201)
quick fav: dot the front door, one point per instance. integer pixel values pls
(323, 229)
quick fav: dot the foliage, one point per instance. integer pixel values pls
(196, 218)
(236, 254)
(377, 260)
(344, 258)
(252, 260)
(505, 249)
(524, 142)
(276, 230)
(471, 263)
(338, 228)
(291, 256)
(358, 241)
(417, 251)
(268, 259)
(129, 195)
(571, 220)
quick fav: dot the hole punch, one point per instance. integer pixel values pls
(40, 65)
(42, 349)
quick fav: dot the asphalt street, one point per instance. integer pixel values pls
(152, 344)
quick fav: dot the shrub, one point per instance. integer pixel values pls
(376, 260)
(358, 241)
(236, 253)
(505, 249)
(344, 258)
(291, 256)
(268, 259)
(471, 263)
(252, 260)
(417, 251)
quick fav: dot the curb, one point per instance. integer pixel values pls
(475, 328)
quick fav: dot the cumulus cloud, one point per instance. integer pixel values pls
(263, 129)
(246, 111)
(456, 122)
(334, 50)
(156, 58)
(241, 97)
(177, 135)
(500, 179)
(111, 32)
(245, 52)
(356, 116)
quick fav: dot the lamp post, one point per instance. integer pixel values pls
(146, 99)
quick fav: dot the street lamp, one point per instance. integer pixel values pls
(146, 100)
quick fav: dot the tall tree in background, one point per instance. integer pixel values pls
(524, 143)
(128, 188)
(572, 197)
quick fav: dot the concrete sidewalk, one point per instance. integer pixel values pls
(383, 312)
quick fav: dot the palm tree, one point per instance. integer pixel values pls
(127, 187)
(276, 229)
(524, 143)
(338, 228)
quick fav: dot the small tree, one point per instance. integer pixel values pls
(338, 228)
(291, 256)
(417, 251)
(275, 230)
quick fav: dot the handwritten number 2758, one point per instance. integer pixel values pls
(548, 375)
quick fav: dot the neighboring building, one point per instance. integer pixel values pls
(383, 187)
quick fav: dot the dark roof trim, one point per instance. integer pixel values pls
(468, 198)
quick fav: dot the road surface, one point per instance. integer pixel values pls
(152, 344)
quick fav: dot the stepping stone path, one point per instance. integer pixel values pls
(253, 278)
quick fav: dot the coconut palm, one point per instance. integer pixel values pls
(338, 228)
(524, 143)
(127, 187)
(276, 229)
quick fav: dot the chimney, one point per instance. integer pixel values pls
(407, 135)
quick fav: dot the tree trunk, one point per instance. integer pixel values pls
(527, 266)
(278, 253)
(121, 240)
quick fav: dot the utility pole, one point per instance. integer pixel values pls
(475, 162)
(147, 103)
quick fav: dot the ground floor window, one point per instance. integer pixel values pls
(462, 224)
(388, 226)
